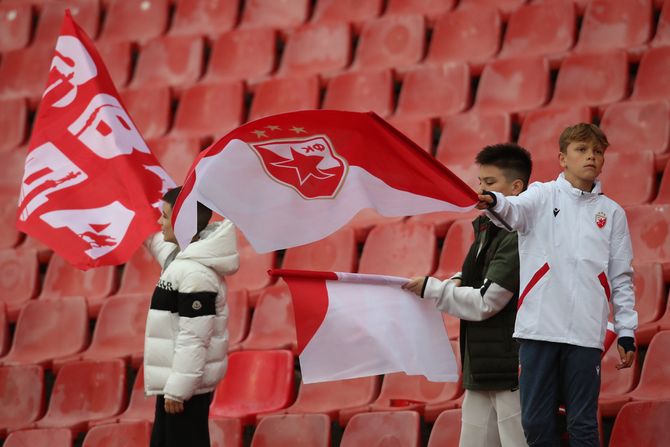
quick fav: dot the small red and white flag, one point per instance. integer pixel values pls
(294, 178)
(91, 186)
(352, 325)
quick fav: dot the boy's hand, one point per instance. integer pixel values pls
(415, 285)
(626, 348)
(173, 406)
(486, 200)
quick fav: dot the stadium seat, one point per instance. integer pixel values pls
(197, 18)
(629, 177)
(62, 280)
(469, 35)
(435, 91)
(431, 9)
(48, 437)
(542, 29)
(135, 20)
(285, 95)
(242, 54)
(9, 235)
(650, 233)
(457, 242)
(140, 274)
(293, 430)
(19, 279)
(609, 25)
(11, 173)
(272, 14)
(44, 253)
(225, 432)
(255, 382)
(117, 57)
(83, 392)
(21, 396)
(24, 73)
(131, 434)
(272, 325)
(513, 85)
(420, 131)
(239, 316)
(48, 330)
(452, 394)
(662, 37)
(592, 79)
(398, 429)
(316, 48)
(16, 21)
(541, 129)
(361, 92)
(649, 83)
(335, 253)
(150, 108)
(13, 123)
(638, 126)
(141, 408)
(391, 42)
(176, 155)
(209, 110)
(649, 292)
(506, 7)
(653, 379)
(174, 61)
(348, 11)
(664, 188)
(85, 12)
(392, 249)
(446, 431)
(614, 383)
(366, 219)
(5, 336)
(442, 220)
(642, 423)
(252, 274)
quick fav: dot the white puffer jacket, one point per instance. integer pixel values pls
(186, 339)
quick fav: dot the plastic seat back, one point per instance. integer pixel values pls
(650, 232)
(457, 242)
(273, 14)
(175, 61)
(242, 54)
(150, 108)
(13, 122)
(9, 235)
(629, 177)
(642, 423)
(19, 279)
(225, 432)
(400, 429)
(195, 17)
(347, 11)
(541, 128)
(253, 272)
(15, 25)
(331, 397)
(361, 92)
(24, 72)
(313, 49)
(655, 370)
(285, 95)
(140, 406)
(335, 253)
(21, 395)
(135, 20)
(638, 126)
(446, 431)
(47, 437)
(85, 12)
(293, 430)
(273, 324)
(209, 110)
(131, 434)
(140, 273)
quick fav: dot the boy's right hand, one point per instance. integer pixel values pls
(485, 201)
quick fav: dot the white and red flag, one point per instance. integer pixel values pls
(295, 178)
(91, 185)
(352, 325)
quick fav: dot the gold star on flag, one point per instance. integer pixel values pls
(259, 133)
(298, 129)
(273, 127)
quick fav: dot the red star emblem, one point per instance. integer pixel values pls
(305, 165)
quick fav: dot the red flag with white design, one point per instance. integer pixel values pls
(352, 325)
(91, 186)
(295, 178)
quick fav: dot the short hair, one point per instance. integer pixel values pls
(512, 159)
(204, 213)
(582, 132)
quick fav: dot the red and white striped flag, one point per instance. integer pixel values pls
(352, 325)
(295, 178)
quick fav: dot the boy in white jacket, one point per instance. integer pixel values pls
(575, 253)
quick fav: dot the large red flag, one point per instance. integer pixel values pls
(91, 185)
(294, 178)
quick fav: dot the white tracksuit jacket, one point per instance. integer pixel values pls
(186, 339)
(575, 254)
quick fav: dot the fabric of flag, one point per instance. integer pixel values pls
(352, 325)
(294, 178)
(91, 187)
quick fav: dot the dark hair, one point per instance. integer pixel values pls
(204, 213)
(583, 133)
(512, 159)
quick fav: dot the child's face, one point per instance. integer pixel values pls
(492, 178)
(165, 221)
(582, 162)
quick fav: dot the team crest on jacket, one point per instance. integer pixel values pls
(309, 165)
(601, 219)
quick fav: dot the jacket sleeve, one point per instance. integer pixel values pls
(518, 211)
(197, 309)
(620, 273)
(467, 303)
(159, 248)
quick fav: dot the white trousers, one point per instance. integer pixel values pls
(491, 419)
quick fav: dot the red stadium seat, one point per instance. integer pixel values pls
(212, 18)
(431, 9)
(317, 48)
(150, 109)
(238, 316)
(175, 61)
(16, 21)
(361, 92)
(19, 279)
(420, 131)
(11, 173)
(655, 370)
(543, 29)
(273, 14)
(48, 437)
(610, 25)
(242, 54)
(650, 233)
(392, 249)
(513, 85)
(5, 337)
(649, 292)
(366, 219)
(9, 235)
(441, 221)
(209, 110)
(132, 434)
(452, 394)
(273, 325)
(505, 6)
(140, 273)
(664, 188)
(446, 431)
(85, 12)
(614, 383)
(391, 42)
(141, 408)
(176, 155)
(225, 432)
(83, 392)
(638, 126)
(642, 423)
(457, 242)
(335, 253)
(48, 330)
(252, 274)
(347, 11)
(285, 95)
(592, 79)
(62, 280)
(21, 396)
(117, 58)
(434, 91)
(255, 382)
(44, 253)
(399, 429)
(24, 73)
(649, 82)
(629, 177)
(293, 430)
(13, 123)
(135, 20)
(662, 37)
(469, 35)
(541, 128)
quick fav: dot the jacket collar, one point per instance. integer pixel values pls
(567, 187)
